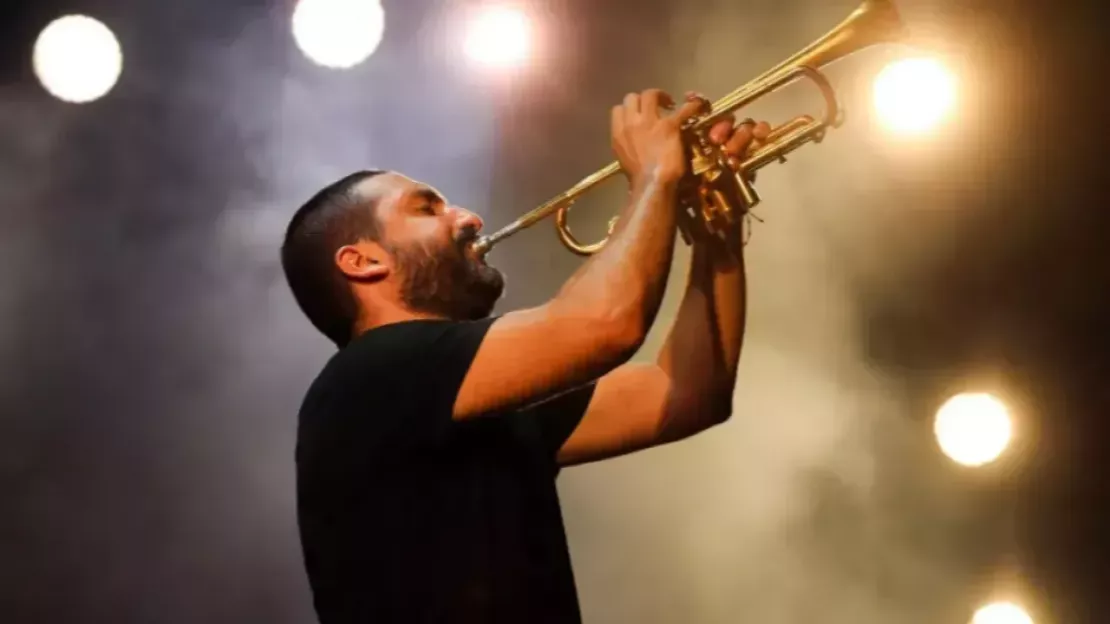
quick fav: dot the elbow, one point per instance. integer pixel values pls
(622, 333)
(720, 409)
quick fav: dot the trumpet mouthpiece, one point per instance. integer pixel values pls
(482, 246)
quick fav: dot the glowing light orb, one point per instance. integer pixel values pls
(973, 429)
(1001, 613)
(338, 34)
(77, 59)
(499, 37)
(912, 96)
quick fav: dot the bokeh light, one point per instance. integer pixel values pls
(1001, 613)
(77, 59)
(973, 429)
(338, 33)
(912, 96)
(499, 37)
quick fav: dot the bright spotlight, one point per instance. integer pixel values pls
(77, 59)
(1001, 613)
(913, 95)
(499, 37)
(338, 33)
(973, 429)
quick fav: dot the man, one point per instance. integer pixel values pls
(429, 444)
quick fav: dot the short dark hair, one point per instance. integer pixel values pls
(333, 217)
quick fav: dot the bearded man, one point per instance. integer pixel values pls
(429, 445)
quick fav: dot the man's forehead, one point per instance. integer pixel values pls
(394, 186)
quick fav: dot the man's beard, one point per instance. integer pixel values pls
(447, 282)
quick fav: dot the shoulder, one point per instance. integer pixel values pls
(392, 360)
(398, 345)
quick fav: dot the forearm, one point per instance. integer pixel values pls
(625, 281)
(702, 351)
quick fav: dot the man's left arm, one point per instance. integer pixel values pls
(689, 387)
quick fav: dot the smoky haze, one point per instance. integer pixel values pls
(822, 499)
(154, 360)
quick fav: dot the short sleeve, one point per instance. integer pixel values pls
(556, 418)
(441, 360)
(393, 389)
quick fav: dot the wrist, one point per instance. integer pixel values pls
(654, 180)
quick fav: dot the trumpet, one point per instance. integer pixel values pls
(724, 186)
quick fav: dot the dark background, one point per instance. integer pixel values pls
(152, 361)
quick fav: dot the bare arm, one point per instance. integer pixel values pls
(602, 314)
(703, 349)
(689, 388)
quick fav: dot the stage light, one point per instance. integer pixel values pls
(973, 429)
(1001, 613)
(77, 59)
(338, 34)
(498, 37)
(913, 95)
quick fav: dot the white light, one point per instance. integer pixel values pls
(77, 59)
(913, 95)
(1001, 613)
(973, 429)
(499, 37)
(338, 33)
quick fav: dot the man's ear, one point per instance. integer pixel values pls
(365, 262)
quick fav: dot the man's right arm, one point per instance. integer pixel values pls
(600, 317)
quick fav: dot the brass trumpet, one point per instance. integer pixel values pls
(725, 192)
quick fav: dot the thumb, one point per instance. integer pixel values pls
(693, 106)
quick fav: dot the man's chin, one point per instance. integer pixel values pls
(484, 305)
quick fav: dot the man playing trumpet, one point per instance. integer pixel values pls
(429, 444)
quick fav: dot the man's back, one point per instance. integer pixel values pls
(409, 516)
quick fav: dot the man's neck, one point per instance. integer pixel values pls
(390, 315)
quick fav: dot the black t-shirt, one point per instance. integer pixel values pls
(409, 516)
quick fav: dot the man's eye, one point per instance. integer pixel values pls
(428, 209)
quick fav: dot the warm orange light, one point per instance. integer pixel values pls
(973, 429)
(912, 96)
(1001, 613)
(499, 37)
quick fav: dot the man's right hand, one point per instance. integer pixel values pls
(647, 139)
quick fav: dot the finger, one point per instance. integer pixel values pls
(694, 95)
(740, 140)
(616, 121)
(617, 128)
(762, 130)
(652, 99)
(690, 108)
(721, 130)
(632, 102)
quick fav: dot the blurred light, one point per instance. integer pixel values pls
(499, 37)
(1001, 613)
(77, 59)
(338, 33)
(973, 429)
(912, 96)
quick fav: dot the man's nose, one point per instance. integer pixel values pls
(464, 219)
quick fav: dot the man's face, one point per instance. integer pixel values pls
(429, 241)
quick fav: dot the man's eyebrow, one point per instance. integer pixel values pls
(428, 195)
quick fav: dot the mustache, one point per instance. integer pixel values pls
(466, 236)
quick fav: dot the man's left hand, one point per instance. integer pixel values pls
(738, 140)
